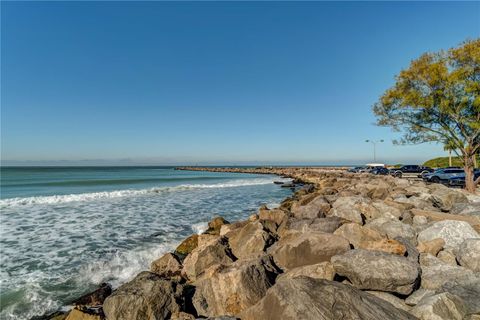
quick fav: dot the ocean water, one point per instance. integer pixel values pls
(64, 230)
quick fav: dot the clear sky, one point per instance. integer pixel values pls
(211, 82)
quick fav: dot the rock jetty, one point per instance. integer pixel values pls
(343, 246)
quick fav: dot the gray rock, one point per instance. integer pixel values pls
(412, 252)
(451, 231)
(378, 271)
(445, 198)
(231, 289)
(393, 228)
(436, 273)
(447, 257)
(147, 296)
(346, 207)
(390, 298)
(314, 299)
(468, 289)
(418, 295)
(327, 224)
(469, 254)
(444, 306)
(299, 249)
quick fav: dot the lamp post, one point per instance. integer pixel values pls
(374, 148)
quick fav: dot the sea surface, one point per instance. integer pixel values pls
(64, 230)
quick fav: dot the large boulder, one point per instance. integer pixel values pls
(187, 246)
(318, 207)
(393, 228)
(147, 296)
(232, 289)
(444, 306)
(167, 265)
(276, 215)
(250, 241)
(445, 198)
(394, 300)
(467, 289)
(374, 270)
(347, 208)
(84, 314)
(94, 298)
(316, 299)
(215, 224)
(432, 246)
(451, 231)
(215, 252)
(436, 273)
(469, 254)
(299, 249)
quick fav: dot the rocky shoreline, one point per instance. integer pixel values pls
(343, 246)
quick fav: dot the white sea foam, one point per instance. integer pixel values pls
(200, 227)
(125, 193)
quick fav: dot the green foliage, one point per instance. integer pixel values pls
(437, 99)
(442, 162)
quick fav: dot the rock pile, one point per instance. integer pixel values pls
(346, 246)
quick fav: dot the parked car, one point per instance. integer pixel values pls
(355, 169)
(411, 168)
(442, 175)
(459, 181)
(380, 171)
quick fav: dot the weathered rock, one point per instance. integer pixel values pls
(435, 273)
(418, 295)
(226, 230)
(393, 228)
(187, 246)
(386, 210)
(452, 232)
(431, 246)
(234, 288)
(445, 198)
(467, 289)
(299, 249)
(95, 298)
(469, 254)
(447, 257)
(420, 220)
(346, 207)
(316, 208)
(322, 270)
(168, 266)
(215, 224)
(250, 241)
(206, 256)
(394, 300)
(276, 215)
(182, 316)
(76, 314)
(326, 225)
(412, 252)
(308, 298)
(444, 306)
(147, 296)
(379, 271)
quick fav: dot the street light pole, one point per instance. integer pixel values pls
(374, 148)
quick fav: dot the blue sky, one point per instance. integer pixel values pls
(211, 82)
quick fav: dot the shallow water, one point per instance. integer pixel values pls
(65, 230)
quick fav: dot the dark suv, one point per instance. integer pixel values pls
(410, 169)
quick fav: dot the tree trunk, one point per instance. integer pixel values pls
(449, 158)
(470, 184)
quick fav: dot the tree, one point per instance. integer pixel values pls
(449, 146)
(437, 98)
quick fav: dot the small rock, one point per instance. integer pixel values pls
(95, 298)
(187, 246)
(215, 224)
(76, 314)
(432, 246)
(420, 220)
(447, 257)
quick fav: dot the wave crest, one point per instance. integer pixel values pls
(55, 199)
